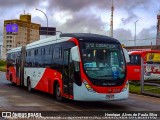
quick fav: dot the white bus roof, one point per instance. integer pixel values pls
(47, 41)
(42, 42)
(14, 50)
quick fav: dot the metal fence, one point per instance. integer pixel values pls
(150, 79)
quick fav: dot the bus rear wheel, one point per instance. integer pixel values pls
(11, 80)
(58, 93)
(29, 85)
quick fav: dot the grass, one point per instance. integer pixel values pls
(2, 65)
(3, 68)
(135, 88)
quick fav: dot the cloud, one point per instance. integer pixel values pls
(147, 33)
(73, 5)
(12, 3)
(132, 17)
(81, 17)
(76, 5)
(144, 37)
(123, 36)
(83, 22)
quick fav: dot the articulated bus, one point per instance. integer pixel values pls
(77, 66)
(149, 57)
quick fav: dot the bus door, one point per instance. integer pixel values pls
(20, 67)
(18, 70)
(67, 73)
(22, 62)
(134, 67)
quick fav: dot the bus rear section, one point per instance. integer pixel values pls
(151, 57)
(15, 65)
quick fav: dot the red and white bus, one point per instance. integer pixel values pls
(77, 66)
(149, 57)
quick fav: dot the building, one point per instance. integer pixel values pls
(158, 30)
(19, 32)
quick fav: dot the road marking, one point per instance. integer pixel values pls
(29, 104)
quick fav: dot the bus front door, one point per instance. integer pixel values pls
(66, 74)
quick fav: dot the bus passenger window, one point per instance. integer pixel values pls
(135, 60)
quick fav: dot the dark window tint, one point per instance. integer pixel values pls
(135, 59)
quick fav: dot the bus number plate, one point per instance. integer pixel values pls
(109, 96)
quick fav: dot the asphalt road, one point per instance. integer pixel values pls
(17, 98)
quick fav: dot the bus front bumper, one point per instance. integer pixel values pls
(81, 93)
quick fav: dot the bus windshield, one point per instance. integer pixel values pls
(103, 61)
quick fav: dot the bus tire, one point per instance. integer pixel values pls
(58, 93)
(29, 85)
(11, 80)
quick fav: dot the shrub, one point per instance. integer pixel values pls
(2, 62)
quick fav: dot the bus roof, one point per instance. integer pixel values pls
(47, 41)
(64, 37)
(41, 42)
(14, 50)
(89, 37)
(144, 51)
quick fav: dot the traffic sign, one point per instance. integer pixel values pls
(47, 31)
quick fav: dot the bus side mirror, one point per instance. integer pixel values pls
(75, 54)
(126, 55)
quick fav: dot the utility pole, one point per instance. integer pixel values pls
(46, 19)
(135, 33)
(111, 22)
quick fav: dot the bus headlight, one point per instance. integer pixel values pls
(89, 88)
(125, 87)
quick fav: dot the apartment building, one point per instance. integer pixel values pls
(19, 32)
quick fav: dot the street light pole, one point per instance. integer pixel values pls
(46, 18)
(135, 33)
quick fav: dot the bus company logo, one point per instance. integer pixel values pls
(12, 27)
(6, 114)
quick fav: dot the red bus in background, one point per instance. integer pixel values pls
(149, 57)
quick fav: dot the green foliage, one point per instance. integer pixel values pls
(135, 88)
(2, 63)
(3, 69)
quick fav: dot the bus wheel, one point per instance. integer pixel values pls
(58, 93)
(11, 80)
(29, 85)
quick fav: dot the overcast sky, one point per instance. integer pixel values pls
(90, 16)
